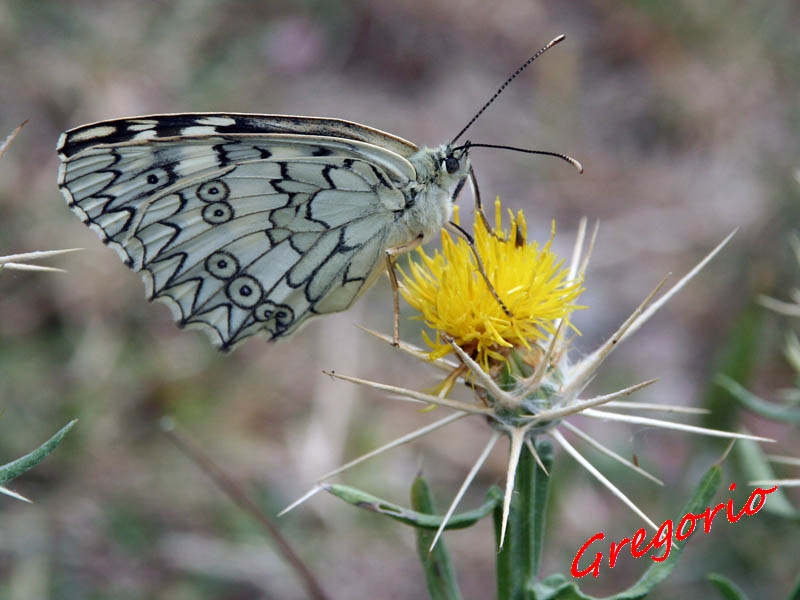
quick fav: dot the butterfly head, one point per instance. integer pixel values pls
(444, 168)
(456, 164)
(450, 160)
(452, 168)
(454, 158)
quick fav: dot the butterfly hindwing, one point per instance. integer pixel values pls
(239, 233)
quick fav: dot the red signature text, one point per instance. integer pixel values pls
(663, 537)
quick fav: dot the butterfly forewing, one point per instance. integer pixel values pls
(241, 223)
(206, 124)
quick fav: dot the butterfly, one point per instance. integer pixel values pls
(247, 223)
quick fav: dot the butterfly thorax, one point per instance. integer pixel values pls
(429, 198)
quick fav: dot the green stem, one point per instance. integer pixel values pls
(518, 561)
(541, 489)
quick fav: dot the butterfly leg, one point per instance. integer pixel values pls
(458, 230)
(391, 253)
(476, 193)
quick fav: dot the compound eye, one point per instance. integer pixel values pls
(451, 164)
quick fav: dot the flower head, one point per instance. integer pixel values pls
(523, 380)
(453, 299)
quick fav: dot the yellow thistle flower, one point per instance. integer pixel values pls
(522, 388)
(452, 297)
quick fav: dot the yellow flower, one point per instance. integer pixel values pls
(522, 389)
(453, 299)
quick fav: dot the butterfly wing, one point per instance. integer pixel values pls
(205, 124)
(241, 224)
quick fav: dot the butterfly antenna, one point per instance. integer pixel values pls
(505, 84)
(564, 157)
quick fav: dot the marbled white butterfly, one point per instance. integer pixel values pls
(249, 224)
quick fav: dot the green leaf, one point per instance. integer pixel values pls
(439, 573)
(755, 466)
(728, 589)
(21, 465)
(795, 593)
(518, 561)
(768, 410)
(558, 587)
(657, 572)
(414, 518)
(735, 359)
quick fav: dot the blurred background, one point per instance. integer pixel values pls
(685, 116)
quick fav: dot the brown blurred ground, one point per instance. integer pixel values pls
(685, 117)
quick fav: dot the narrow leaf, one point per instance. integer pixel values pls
(755, 465)
(18, 467)
(726, 588)
(657, 572)
(414, 518)
(795, 593)
(735, 359)
(439, 573)
(768, 410)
